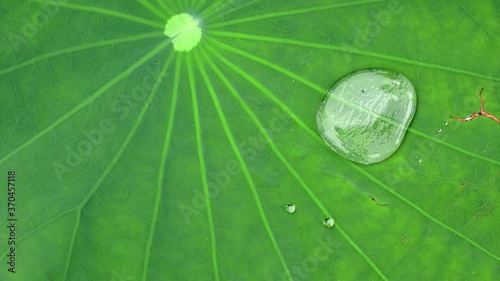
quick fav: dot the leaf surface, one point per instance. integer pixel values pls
(135, 161)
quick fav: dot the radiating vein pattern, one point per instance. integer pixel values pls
(321, 91)
(87, 101)
(351, 50)
(110, 13)
(203, 170)
(79, 48)
(213, 97)
(278, 153)
(314, 135)
(241, 161)
(294, 12)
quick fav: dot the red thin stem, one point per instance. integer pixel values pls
(476, 114)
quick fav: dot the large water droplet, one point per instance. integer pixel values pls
(365, 115)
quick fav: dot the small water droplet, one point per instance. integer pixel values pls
(328, 222)
(445, 123)
(420, 161)
(290, 208)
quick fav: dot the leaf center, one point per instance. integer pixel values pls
(184, 30)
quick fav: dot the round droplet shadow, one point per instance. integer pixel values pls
(365, 115)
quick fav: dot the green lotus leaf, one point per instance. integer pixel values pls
(132, 155)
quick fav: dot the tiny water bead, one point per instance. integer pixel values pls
(184, 30)
(328, 222)
(290, 208)
(365, 115)
(438, 132)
